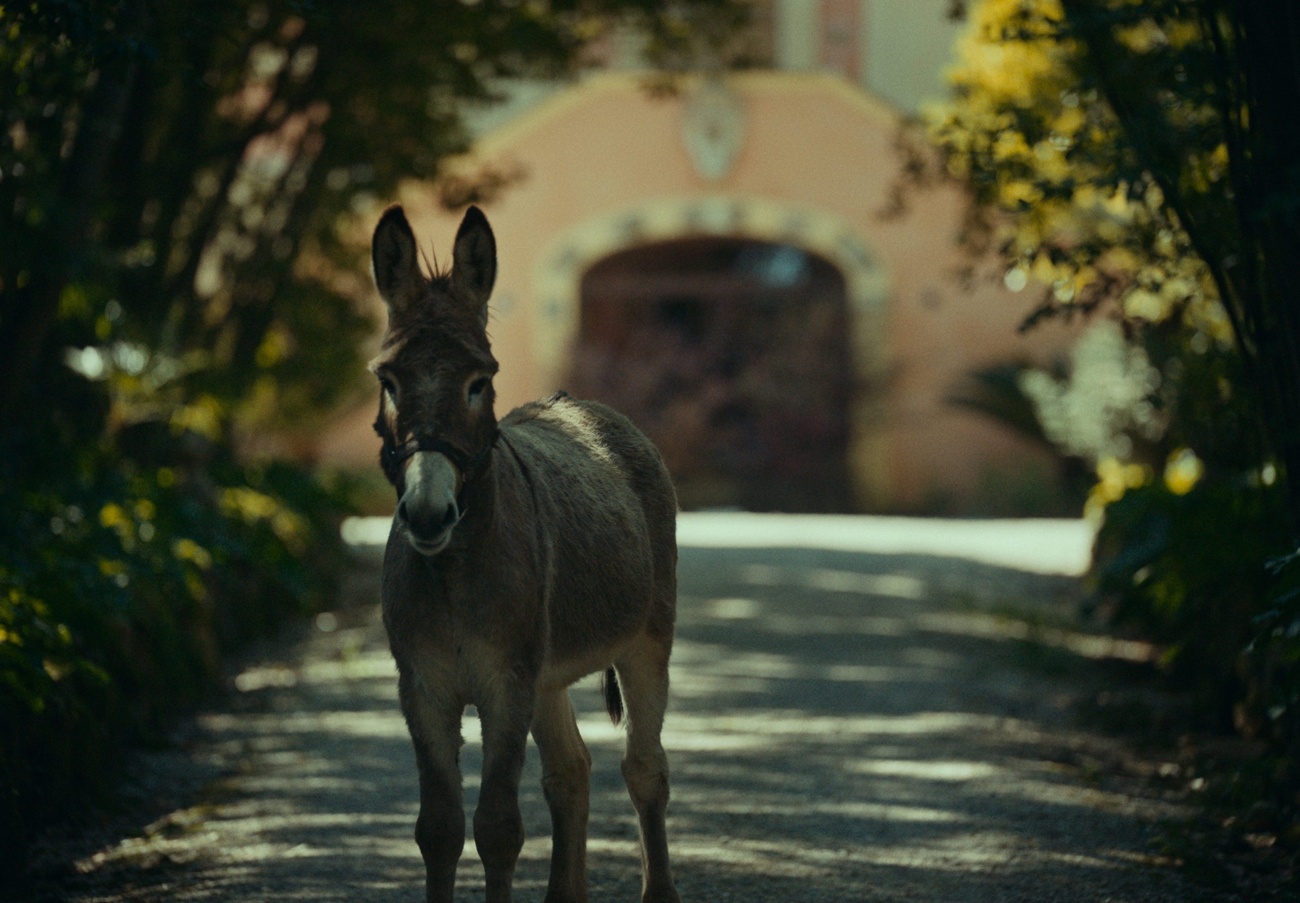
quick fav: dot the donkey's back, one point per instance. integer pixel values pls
(609, 510)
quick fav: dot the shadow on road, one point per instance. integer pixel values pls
(844, 726)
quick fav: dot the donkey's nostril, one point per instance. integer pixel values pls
(449, 519)
(427, 523)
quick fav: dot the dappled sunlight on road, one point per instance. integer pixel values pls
(845, 725)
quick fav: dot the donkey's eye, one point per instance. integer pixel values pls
(477, 388)
(388, 386)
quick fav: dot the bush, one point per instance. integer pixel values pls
(121, 586)
(1204, 574)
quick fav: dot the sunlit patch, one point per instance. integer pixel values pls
(351, 667)
(579, 426)
(842, 809)
(734, 609)
(763, 729)
(897, 586)
(941, 770)
(1008, 629)
(179, 838)
(259, 678)
(756, 856)
(378, 724)
(890, 813)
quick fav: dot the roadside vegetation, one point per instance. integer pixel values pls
(1138, 164)
(178, 305)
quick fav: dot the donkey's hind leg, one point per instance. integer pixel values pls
(566, 782)
(643, 674)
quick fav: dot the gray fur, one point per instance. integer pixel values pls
(503, 586)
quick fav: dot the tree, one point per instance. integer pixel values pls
(176, 183)
(1141, 158)
(174, 174)
(1148, 159)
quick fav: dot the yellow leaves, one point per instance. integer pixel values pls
(248, 504)
(131, 522)
(1005, 71)
(186, 549)
(114, 517)
(1033, 140)
(1012, 194)
(1050, 161)
(1206, 315)
(1010, 145)
(114, 570)
(1070, 121)
(1141, 304)
(190, 552)
(1183, 470)
(253, 507)
(204, 416)
(273, 348)
(1142, 37)
(1205, 172)
(1114, 478)
(144, 510)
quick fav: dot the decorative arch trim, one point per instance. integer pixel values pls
(562, 264)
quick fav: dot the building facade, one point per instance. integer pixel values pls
(728, 264)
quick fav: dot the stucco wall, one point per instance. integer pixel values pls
(605, 166)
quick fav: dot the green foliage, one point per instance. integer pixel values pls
(180, 178)
(179, 185)
(119, 592)
(1274, 657)
(1139, 157)
(1200, 607)
(1031, 132)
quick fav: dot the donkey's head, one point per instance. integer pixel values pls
(435, 375)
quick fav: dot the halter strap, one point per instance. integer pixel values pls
(470, 468)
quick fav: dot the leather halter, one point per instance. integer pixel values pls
(393, 455)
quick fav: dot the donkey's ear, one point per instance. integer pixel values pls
(397, 267)
(474, 260)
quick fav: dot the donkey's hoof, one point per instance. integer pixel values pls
(661, 895)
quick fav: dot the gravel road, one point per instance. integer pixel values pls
(863, 709)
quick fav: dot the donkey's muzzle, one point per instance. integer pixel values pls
(428, 510)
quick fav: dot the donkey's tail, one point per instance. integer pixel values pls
(613, 698)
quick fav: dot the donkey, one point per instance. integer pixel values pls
(524, 554)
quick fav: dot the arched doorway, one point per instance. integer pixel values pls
(733, 355)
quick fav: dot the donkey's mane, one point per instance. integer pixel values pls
(435, 273)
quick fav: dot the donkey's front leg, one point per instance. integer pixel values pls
(498, 826)
(440, 828)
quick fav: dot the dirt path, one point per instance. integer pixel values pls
(846, 725)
